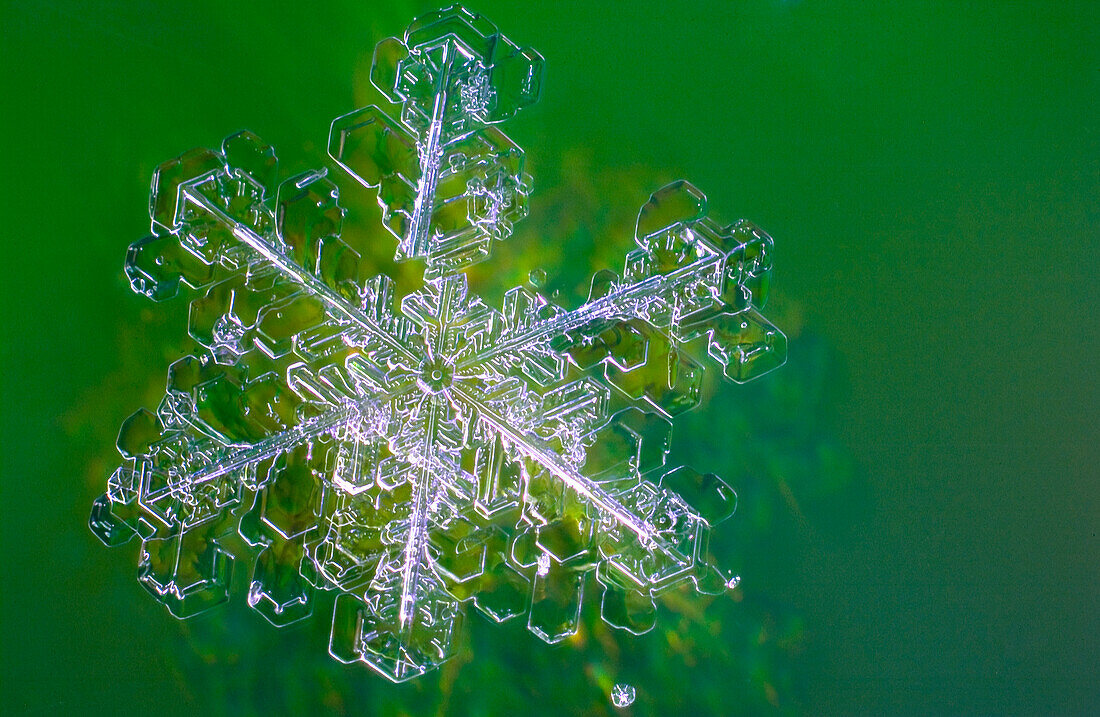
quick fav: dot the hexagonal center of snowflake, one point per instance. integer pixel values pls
(435, 375)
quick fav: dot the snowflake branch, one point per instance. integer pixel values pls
(298, 274)
(430, 154)
(536, 449)
(275, 444)
(280, 442)
(416, 543)
(627, 302)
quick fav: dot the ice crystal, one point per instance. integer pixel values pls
(421, 453)
(622, 695)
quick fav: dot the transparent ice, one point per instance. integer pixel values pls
(622, 695)
(421, 454)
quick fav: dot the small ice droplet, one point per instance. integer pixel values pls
(544, 565)
(622, 695)
(733, 582)
(537, 277)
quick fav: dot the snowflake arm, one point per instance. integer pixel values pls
(688, 278)
(449, 182)
(192, 195)
(545, 456)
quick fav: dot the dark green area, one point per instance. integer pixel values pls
(919, 489)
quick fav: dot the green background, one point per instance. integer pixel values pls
(931, 174)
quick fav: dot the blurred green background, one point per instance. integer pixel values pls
(919, 485)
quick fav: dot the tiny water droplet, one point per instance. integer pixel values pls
(733, 582)
(622, 694)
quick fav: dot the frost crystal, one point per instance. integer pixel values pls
(414, 454)
(622, 695)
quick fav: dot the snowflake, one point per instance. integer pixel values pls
(416, 454)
